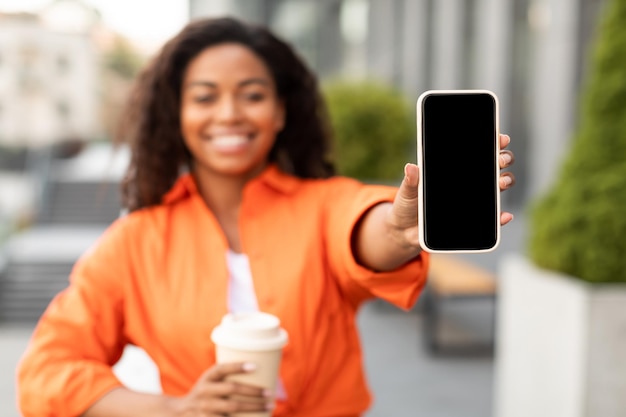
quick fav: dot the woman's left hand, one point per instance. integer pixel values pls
(404, 209)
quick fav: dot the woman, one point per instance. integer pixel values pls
(233, 206)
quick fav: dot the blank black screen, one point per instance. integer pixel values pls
(460, 179)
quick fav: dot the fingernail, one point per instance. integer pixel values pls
(269, 406)
(268, 393)
(507, 180)
(248, 366)
(506, 158)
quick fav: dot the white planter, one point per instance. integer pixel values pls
(560, 345)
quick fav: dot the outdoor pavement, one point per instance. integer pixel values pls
(405, 379)
(13, 340)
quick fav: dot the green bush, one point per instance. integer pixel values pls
(374, 130)
(579, 226)
(581, 229)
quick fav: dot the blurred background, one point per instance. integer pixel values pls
(65, 70)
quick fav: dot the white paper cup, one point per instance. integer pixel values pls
(251, 337)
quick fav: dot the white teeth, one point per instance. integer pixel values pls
(229, 141)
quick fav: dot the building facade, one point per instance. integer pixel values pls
(531, 53)
(48, 83)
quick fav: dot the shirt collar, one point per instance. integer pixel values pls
(278, 180)
(271, 176)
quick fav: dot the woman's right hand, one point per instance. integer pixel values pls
(213, 395)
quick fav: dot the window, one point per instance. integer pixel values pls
(296, 21)
(63, 64)
(28, 54)
(63, 109)
(354, 31)
(468, 59)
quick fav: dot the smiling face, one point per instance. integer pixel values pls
(230, 111)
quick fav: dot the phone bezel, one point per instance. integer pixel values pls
(423, 173)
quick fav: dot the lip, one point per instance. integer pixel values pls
(227, 132)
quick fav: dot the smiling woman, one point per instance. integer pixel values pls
(232, 196)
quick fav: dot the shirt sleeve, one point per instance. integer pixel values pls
(347, 205)
(67, 365)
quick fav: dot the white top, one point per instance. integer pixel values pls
(241, 295)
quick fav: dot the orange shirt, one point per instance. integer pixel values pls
(158, 279)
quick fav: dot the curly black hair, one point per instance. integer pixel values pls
(151, 122)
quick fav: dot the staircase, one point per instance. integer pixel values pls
(27, 289)
(74, 212)
(38, 263)
(84, 202)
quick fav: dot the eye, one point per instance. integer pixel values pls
(254, 96)
(204, 98)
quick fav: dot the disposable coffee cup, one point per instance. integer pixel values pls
(251, 337)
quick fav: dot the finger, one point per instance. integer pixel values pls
(218, 372)
(504, 141)
(225, 389)
(506, 159)
(507, 180)
(505, 217)
(231, 405)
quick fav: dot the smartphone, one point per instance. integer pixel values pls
(457, 151)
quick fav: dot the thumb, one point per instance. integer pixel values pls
(409, 187)
(404, 208)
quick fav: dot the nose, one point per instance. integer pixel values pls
(227, 109)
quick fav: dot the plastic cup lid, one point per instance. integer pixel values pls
(250, 331)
